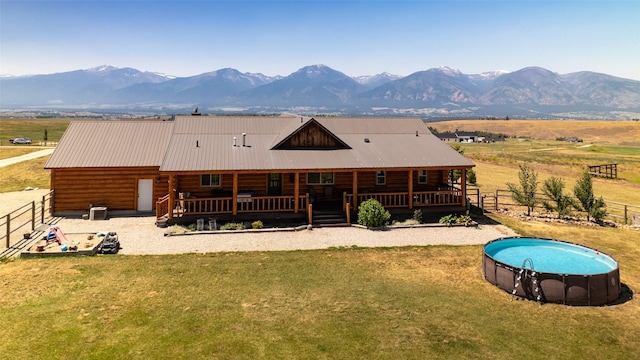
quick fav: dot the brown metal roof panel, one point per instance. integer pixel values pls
(216, 152)
(405, 150)
(373, 125)
(231, 124)
(111, 144)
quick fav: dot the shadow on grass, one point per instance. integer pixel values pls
(626, 295)
(482, 219)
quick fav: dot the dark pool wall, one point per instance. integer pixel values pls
(599, 289)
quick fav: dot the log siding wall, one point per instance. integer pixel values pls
(116, 188)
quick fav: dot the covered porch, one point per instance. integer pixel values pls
(295, 194)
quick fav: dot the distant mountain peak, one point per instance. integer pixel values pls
(102, 68)
(449, 70)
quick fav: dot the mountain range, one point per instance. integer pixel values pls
(532, 92)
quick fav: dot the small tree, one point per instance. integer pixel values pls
(455, 174)
(471, 177)
(372, 214)
(525, 195)
(553, 188)
(46, 137)
(583, 190)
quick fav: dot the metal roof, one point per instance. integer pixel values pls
(205, 143)
(392, 144)
(110, 143)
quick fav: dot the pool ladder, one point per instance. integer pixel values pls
(527, 270)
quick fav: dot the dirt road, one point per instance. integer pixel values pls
(25, 157)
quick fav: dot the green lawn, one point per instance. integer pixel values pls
(407, 303)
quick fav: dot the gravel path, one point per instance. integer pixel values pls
(139, 235)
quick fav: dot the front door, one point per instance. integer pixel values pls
(145, 194)
(275, 185)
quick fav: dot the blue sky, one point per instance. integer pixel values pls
(185, 38)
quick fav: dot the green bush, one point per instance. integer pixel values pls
(451, 219)
(232, 226)
(372, 214)
(464, 219)
(257, 224)
(448, 220)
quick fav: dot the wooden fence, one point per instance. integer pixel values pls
(24, 220)
(617, 212)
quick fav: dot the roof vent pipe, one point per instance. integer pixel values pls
(244, 139)
(416, 133)
(234, 141)
(197, 144)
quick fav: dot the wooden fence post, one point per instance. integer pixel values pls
(310, 214)
(33, 215)
(626, 216)
(348, 211)
(8, 229)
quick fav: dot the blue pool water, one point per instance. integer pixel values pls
(550, 256)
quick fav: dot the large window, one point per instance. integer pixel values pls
(422, 177)
(381, 178)
(210, 180)
(320, 178)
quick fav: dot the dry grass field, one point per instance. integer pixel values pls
(597, 132)
(604, 142)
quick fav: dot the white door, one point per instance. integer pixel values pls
(145, 194)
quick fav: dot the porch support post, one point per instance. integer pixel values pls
(172, 195)
(410, 186)
(296, 190)
(234, 204)
(355, 190)
(463, 186)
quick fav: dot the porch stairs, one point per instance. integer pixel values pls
(326, 218)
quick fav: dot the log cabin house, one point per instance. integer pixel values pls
(254, 167)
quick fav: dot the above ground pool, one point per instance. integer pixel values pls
(548, 270)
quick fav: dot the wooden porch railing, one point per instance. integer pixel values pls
(271, 204)
(195, 206)
(162, 206)
(400, 199)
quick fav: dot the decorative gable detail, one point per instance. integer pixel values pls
(311, 135)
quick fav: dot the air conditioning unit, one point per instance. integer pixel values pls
(98, 213)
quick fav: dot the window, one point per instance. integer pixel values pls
(422, 177)
(319, 178)
(381, 178)
(210, 180)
